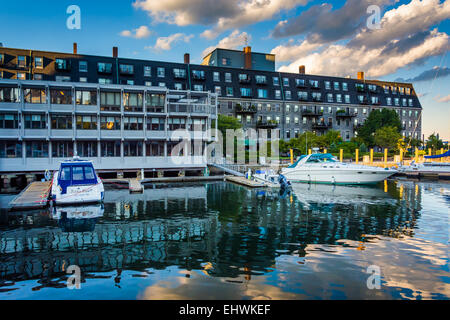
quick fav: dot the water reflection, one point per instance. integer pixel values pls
(228, 234)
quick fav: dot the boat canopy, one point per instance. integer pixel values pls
(438, 156)
(76, 173)
(295, 164)
(319, 157)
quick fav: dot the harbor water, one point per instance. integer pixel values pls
(218, 240)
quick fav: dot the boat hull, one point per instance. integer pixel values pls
(81, 194)
(341, 177)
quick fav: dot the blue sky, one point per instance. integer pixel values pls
(329, 37)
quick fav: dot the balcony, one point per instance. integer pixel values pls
(321, 126)
(312, 113)
(249, 109)
(271, 124)
(345, 114)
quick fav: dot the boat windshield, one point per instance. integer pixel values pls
(295, 164)
(327, 157)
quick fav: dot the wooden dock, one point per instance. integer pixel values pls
(245, 182)
(35, 196)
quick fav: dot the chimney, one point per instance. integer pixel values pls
(361, 75)
(248, 57)
(75, 48)
(115, 52)
(301, 70)
(187, 58)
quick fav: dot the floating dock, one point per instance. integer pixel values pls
(245, 182)
(425, 175)
(35, 196)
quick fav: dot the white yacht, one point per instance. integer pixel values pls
(325, 168)
(76, 182)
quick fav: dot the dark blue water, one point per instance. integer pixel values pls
(222, 241)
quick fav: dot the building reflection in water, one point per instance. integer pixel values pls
(220, 228)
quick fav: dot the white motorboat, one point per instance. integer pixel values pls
(426, 167)
(76, 182)
(325, 168)
(270, 178)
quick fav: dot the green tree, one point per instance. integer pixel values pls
(387, 137)
(225, 122)
(434, 143)
(378, 119)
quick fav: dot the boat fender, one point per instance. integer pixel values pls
(47, 175)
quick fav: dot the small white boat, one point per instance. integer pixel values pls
(324, 168)
(426, 167)
(270, 178)
(76, 182)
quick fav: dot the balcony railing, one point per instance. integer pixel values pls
(248, 109)
(345, 114)
(312, 113)
(271, 124)
(322, 126)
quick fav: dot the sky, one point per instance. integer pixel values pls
(408, 42)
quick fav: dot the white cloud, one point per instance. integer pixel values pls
(165, 43)
(342, 60)
(404, 39)
(443, 99)
(139, 33)
(234, 41)
(222, 14)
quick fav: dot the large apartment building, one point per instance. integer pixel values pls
(245, 83)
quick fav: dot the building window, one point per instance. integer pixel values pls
(227, 77)
(216, 76)
(277, 94)
(314, 83)
(161, 72)
(404, 103)
(110, 149)
(86, 97)
(103, 67)
(300, 82)
(389, 101)
(288, 120)
(374, 100)
(109, 101)
(316, 96)
(61, 96)
(133, 102)
(133, 123)
(246, 92)
(21, 76)
(62, 149)
(147, 71)
(276, 81)
(261, 79)
(303, 95)
(61, 122)
(154, 149)
(155, 102)
(9, 95)
(148, 83)
(104, 81)
(179, 73)
(327, 85)
(344, 86)
(21, 61)
(110, 123)
(9, 121)
(410, 102)
(177, 124)
(37, 76)
(162, 84)
(218, 90)
(397, 101)
(229, 91)
(35, 96)
(126, 69)
(38, 62)
(2, 58)
(63, 79)
(262, 93)
(330, 97)
(226, 61)
(198, 74)
(87, 122)
(87, 149)
(62, 64)
(36, 149)
(198, 87)
(155, 124)
(83, 79)
(288, 95)
(83, 66)
(10, 149)
(178, 86)
(339, 98)
(286, 82)
(336, 86)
